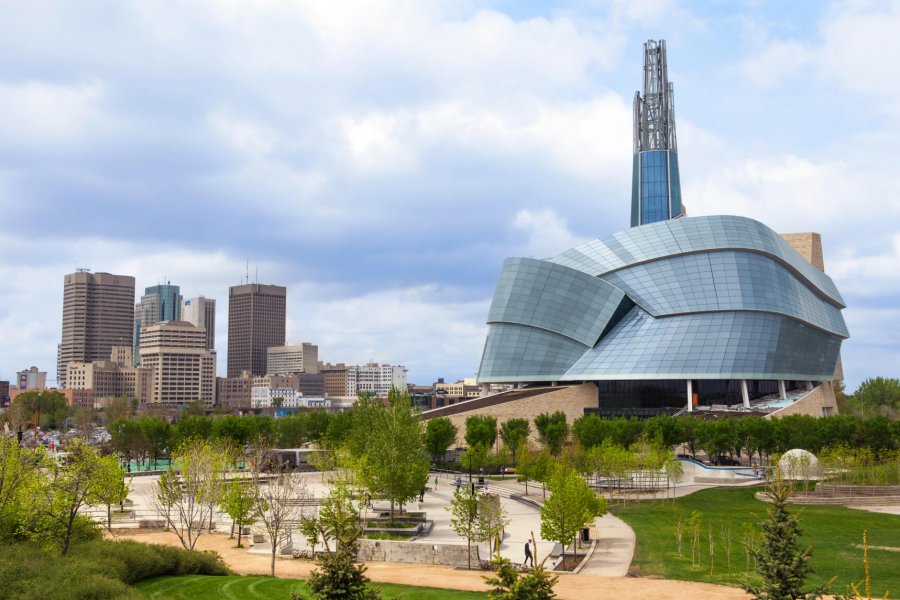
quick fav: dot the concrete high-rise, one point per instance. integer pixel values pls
(202, 313)
(159, 303)
(182, 369)
(256, 322)
(655, 184)
(98, 313)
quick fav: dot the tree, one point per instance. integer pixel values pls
(481, 430)
(117, 408)
(492, 519)
(18, 466)
(111, 486)
(339, 578)
(239, 502)
(509, 584)
(158, 435)
(878, 395)
(780, 563)
(185, 497)
(464, 517)
(473, 458)
(69, 487)
(440, 433)
(552, 430)
(513, 432)
(49, 407)
(571, 506)
(279, 502)
(388, 448)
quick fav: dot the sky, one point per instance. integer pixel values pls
(381, 159)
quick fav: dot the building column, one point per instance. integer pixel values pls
(745, 395)
(781, 390)
(485, 389)
(809, 386)
(690, 395)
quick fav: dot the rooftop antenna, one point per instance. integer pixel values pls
(247, 272)
(256, 276)
(83, 270)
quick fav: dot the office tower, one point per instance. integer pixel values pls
(297, 358)
(98, 313)
(201, 312)
(182, 369)
(655, 185)
(159, 303)
(256, 322)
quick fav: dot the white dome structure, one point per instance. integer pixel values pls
(800, 465)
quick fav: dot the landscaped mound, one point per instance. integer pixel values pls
(96, 569)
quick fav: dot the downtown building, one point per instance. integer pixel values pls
(201, 312)
(98, 313)
(256, 322)
(116, 377)
(296, 358)
(159, 303)
(182, 370)
(675, 313)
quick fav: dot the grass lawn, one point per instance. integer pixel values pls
(256, 587)
(835, 534)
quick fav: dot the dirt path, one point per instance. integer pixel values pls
(570, 587)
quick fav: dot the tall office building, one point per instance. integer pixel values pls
(256, 322)
(201, 312)
(655, 184)
(182, 369)
(159, 303)
(97, 315)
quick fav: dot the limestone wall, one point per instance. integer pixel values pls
(813, 404)
(451, 555)
(571, 400)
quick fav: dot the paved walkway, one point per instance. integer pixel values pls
(614, 548)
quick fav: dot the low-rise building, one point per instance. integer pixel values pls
(31, 379)
(113, 378)
(296, 358)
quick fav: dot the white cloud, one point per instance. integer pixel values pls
(547, 233)
(38, 112)
(777, 63)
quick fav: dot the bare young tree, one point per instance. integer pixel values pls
(184, 498)
(281, 501)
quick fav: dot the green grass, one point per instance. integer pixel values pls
(835, 534)
(198, 587)
(388, 535)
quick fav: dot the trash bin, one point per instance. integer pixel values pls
(481, 480)
(585, 535)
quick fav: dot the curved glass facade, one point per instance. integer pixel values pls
(707, 298)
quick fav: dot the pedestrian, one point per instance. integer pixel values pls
(528, 555)
(435, 482)
(458, 483)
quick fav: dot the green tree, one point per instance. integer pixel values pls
(877, 395)
(158, 435)
(239, 502)
(59, 499)
(48, 407)
(440, 433)
(388, 448)
(110, 485)
(481, 430)
(509, 584)
(192, 426)
(185, 498)
(18, 468)
(513, 432)
(571, 506)
(464, 517)
(591, 430)
(552, 430)
(474, 458)
(339, 577)
(780, 563)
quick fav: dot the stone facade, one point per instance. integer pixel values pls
(451, 555)
(820, 402)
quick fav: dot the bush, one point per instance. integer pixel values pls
(99, 569)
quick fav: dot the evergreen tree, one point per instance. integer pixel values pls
(508, 584)
(780, 563)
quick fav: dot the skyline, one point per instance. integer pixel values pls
(381, 162)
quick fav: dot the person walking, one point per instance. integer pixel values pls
(528, 555)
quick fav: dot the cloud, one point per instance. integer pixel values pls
(547, 233)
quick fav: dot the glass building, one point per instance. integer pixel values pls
(673, 311)
(158, 304)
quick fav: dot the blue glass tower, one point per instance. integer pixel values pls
(655, 188)
(159, 303)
